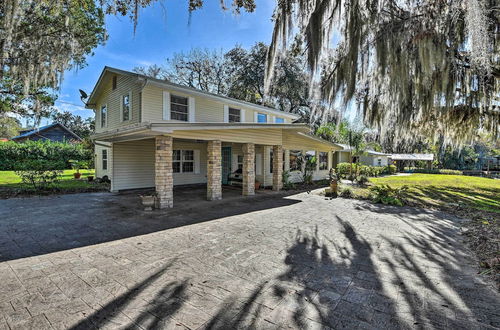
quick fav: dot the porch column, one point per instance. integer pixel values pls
(277, 167)
(164, 181)
(316, 155)
(214, 170)
(248, 169)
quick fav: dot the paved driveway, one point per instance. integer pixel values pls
(272, 261)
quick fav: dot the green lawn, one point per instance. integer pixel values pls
(442, 190)
(11, 185)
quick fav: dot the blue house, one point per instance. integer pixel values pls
(54, 132)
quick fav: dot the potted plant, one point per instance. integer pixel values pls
(76, 165)
(257, 185)
(148, 201)
(333, 182)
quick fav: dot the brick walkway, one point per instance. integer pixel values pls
(271, 261)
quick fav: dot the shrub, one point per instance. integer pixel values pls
(12, 153)
(287, 185)
(385, 194)
(437, 171)
(390, 169)
(343, 170)
(346, 192)
(363, 180)
(40, 174)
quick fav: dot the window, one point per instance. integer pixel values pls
(114, 82)
(104, 115)
(294, 160)
(234, 115)
(104, 159)
(271, 162)
(125, 107)
(240, 162)
(323, 160)
(178, 108)
(279, 120)
(261, 118)
(183, 161)
(379, 162)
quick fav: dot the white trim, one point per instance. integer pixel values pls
(196, 161)
(166, 105)
(242, 116)
(258, 164)
(234, 162)
(191, 109)
(226, 113)
(255, 117)
(105, 105)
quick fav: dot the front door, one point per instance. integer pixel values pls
(226, 164)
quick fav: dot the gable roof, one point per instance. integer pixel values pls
(33, 131)
(167, 84)
(346, 147)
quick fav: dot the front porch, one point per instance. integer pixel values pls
(239, 156)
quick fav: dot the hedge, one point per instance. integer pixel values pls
(437, 171)
(15, 156)
(370, 171)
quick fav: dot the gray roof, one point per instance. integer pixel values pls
(33, 131)
(412, 157)
(346, 147)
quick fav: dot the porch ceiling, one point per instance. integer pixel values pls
(291, 136)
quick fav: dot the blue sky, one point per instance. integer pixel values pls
(163, 30)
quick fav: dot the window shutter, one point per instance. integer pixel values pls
(258, 164)
(226, 114)
(242, 115)
(130, 105)
(166, 105)
(196, 154)
(121, 107)
(256, 117)
(272, 119)
(191, 110)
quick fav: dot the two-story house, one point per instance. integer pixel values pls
(153, 133)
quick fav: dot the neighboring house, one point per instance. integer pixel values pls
(54, 132)
(402, 160)
(369, 157)
(153, 133)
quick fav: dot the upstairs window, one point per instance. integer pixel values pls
(125, 107)
(183, 161)
(323, 160)
(279, 120)
(261, 118)
(104, 159)
(178, 108)
(104, 115)
(234, 115)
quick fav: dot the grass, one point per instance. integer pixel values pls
(447, 190)
(11, 185)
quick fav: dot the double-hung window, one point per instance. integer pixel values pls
(104, 159)
(179, 108)
(125, 107)
(323, 160)
(104, 115)
(183, 161)
(279, 120)
(261, 118)
(234, 115)
(240, 162)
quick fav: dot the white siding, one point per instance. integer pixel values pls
(99, 171)
(133, 165)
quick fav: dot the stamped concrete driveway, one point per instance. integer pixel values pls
(272, 261)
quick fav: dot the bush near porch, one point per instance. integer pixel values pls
(11, 185)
